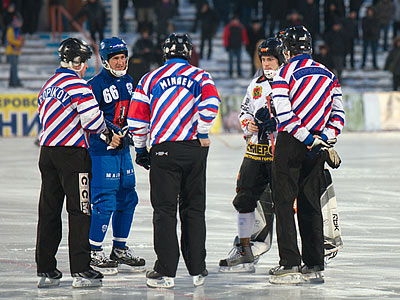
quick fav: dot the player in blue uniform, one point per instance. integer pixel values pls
(113, 185)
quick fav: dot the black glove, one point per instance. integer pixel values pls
(143, 158)
(270, 125)
(264, 121)
(262, 115)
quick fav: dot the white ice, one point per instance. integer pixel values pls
(367, 186)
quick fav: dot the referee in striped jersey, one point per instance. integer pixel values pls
(308, 102)
(175, 106)
(68, 111)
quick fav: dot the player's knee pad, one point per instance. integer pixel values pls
(101, 210)
(127, 201)
(102, 203)
(243, 202)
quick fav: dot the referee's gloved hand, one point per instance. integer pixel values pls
(143, 157)
(319, 144)
(332, 158)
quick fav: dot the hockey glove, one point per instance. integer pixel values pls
(143, 157)
(270, 125)
(107, 135)
(332, 158)
(319, 145)
(112, 129)
(264, 121)
(126, 138)
(262, 115)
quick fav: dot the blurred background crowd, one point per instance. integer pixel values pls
(337, 27)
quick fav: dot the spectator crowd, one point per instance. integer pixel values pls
(337, 26)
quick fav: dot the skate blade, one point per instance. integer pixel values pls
(241, 268)
(198, 280)
(314, 278)
(45, 282)
(164, 282)
(123, 268)
(79, 282)
(290, 278)
(106, 271)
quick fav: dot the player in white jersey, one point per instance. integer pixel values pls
(258, 124)
(67, 112)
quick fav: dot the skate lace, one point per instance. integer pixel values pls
(128, 252)
(234, 253)
(100, 256)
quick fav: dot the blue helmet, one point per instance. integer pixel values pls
(109, 48)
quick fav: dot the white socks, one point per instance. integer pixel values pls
(246, 224)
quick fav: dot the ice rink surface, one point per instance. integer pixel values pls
(367, 187)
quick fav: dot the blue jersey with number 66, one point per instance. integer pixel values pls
(113, 95)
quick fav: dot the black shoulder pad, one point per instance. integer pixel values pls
(262, 78)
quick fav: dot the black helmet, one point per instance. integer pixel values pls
(74, 50)
(272, 47)
(179, 46)
(297, 40)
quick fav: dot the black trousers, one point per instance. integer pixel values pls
(295, 174)
(251, 183)
(65, 172)
(178, 176)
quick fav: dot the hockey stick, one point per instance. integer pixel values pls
(114, 128)
(271, 134)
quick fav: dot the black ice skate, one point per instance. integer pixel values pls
(286, 275)
(157, 280)
(100, 262)
(89, 278)
(127, 261)
(240, 260)
(257, 248)
(313, 274)
(50, 279)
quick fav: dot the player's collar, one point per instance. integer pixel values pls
(177, 60)
(262, 78)
(66, 70)
(300, 57)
